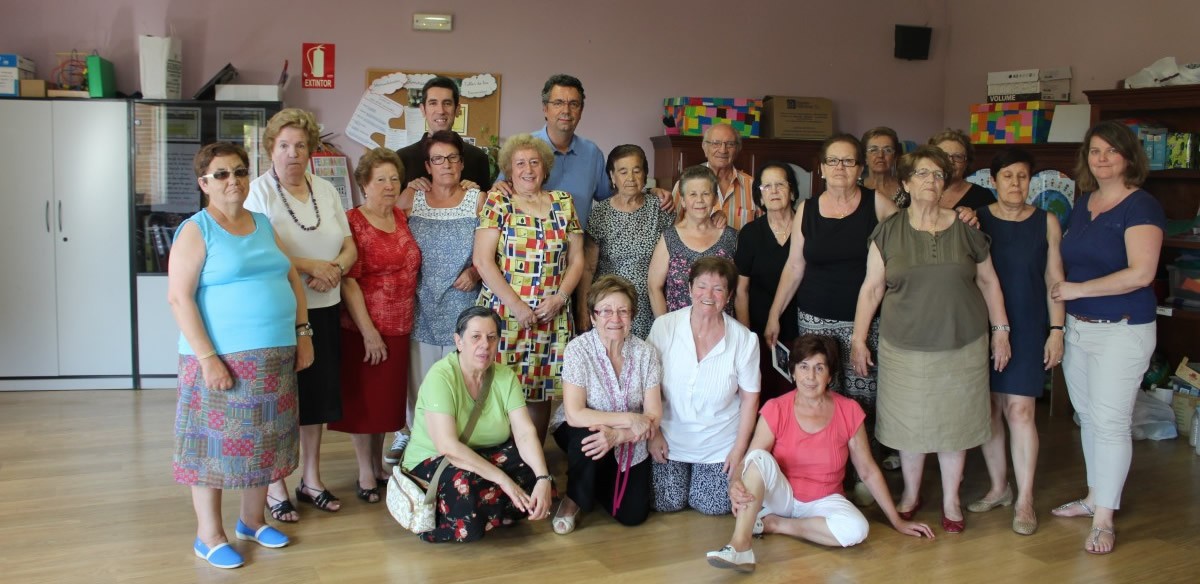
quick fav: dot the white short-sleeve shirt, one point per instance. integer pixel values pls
(323, 243)
(701, 404)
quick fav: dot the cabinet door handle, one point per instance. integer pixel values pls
(47, 216)
(60, 216)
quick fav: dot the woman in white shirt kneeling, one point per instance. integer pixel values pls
(710, 394)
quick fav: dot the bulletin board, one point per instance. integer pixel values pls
(478, 117)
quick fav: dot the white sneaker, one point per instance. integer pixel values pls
(396, 452)
(726, 557)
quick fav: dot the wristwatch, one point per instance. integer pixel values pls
(1001, 327)
(304, 330)
(544, 477)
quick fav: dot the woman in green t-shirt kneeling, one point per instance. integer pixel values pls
(496, 474)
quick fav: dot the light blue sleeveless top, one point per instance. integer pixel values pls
(244, 296)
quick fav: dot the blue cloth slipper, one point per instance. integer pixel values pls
(220, 556)
(266, 535)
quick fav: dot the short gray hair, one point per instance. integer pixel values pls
(473, 312)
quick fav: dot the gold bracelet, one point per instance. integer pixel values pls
(212, 353)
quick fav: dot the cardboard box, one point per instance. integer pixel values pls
(1181, 150)
(14, 68)
(998, 77)
(249, 93)
(1017, 122)
(1052, 90)
(797, 118)
(693, 115)
(33, 88)
(1188, 372)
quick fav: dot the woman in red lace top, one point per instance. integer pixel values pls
(379, 294)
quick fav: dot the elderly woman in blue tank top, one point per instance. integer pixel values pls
(241, 309)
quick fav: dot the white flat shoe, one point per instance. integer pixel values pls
(728, 558)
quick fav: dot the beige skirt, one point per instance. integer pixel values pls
(933, 401)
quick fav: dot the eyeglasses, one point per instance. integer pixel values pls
(438, 159)
(957, 158)
(561, 103)
(846, 162)
(885, 150)
(925, 173)
(717, 145)
(779, 186)
(623, 313)
(223, 174)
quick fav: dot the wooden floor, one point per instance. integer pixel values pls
(86, 495)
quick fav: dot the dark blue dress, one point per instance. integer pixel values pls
(1019, 255)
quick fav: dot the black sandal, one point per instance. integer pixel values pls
(321, 501)
(281, 509)
(366, 494)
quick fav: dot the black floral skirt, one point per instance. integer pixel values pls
(469, 505)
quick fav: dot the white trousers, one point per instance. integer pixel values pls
(844, 520)
(1103, 365)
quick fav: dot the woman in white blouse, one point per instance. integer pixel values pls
(307, 214)
(611, 406)
(710, 394)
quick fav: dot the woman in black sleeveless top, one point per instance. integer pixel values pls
(828, 261)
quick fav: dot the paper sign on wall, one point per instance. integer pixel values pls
(318, 66)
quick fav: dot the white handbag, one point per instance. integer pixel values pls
(411, 506)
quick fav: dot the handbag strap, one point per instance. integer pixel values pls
(484, 390)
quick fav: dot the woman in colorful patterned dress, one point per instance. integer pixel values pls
(529, 251)
(622, 232)
(378, 292)
(442, 220)
(236, 299)
(693, 236)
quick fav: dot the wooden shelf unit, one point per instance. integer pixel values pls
(672, 154)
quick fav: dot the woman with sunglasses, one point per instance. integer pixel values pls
(934, 278)
(244, 334)
(826, 263)
(307, 213)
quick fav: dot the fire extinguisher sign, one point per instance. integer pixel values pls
(318, 66)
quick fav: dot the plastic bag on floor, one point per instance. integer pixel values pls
(1152, 419)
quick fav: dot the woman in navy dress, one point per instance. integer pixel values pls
(1025, 242)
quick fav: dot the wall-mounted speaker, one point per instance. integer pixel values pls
(912, 42)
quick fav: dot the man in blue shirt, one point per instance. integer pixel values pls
(578, 162)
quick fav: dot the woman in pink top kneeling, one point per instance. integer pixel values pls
(791, 478)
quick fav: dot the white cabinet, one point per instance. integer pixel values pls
(65, 297)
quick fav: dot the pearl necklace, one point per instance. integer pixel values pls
(286, 205)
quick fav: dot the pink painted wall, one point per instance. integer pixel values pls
(629, 53)
(1104, 41)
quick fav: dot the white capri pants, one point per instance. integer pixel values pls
(421, 358)
(1103, 365)
(844, 520)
